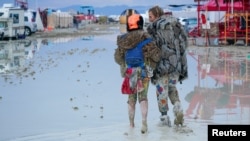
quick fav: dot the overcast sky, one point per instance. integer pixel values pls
(96, 3)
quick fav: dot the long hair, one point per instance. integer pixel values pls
(157, 11)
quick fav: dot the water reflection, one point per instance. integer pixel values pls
(54, 77)
(223, 84)
(222, 81)
(13, 54)
(91, 37)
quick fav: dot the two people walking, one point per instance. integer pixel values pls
(164, 64)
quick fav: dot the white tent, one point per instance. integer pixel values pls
(39, 22)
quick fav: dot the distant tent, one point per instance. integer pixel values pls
(212, 5)
(39, 22)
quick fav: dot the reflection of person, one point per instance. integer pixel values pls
(171, 38)
(129, 40)
(204, 101)
(75, 22)
(195, 99)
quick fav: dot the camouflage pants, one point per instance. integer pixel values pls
(166, 87)
(140, 96)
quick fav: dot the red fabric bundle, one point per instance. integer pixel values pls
(126, 87)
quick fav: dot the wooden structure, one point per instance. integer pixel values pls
(59, 20)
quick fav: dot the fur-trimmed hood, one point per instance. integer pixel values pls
(131, 39)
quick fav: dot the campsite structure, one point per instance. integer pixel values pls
(86, 15)
(225, 21)
(52, 18)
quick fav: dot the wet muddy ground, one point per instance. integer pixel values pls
(68, 88)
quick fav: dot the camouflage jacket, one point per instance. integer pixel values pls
(170, 36)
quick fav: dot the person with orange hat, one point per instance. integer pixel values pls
(136, 73)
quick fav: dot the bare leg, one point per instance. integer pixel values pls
(131, 113)
(144, 113)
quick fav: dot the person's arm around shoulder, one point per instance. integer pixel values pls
(152, 53)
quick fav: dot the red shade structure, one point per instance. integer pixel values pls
(233, 26)
(221, 5)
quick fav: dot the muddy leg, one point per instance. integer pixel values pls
(144, 113)
(131, 113)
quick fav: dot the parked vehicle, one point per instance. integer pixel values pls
(11, 22)
(30, 22)
(191, 23)
(182, 20)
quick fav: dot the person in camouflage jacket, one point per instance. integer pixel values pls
(171, 38)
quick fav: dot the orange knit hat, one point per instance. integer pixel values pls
(133, 21)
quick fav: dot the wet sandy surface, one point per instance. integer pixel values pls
(91, 29)
(68, 88)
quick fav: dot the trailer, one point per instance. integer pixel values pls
(11, 22)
